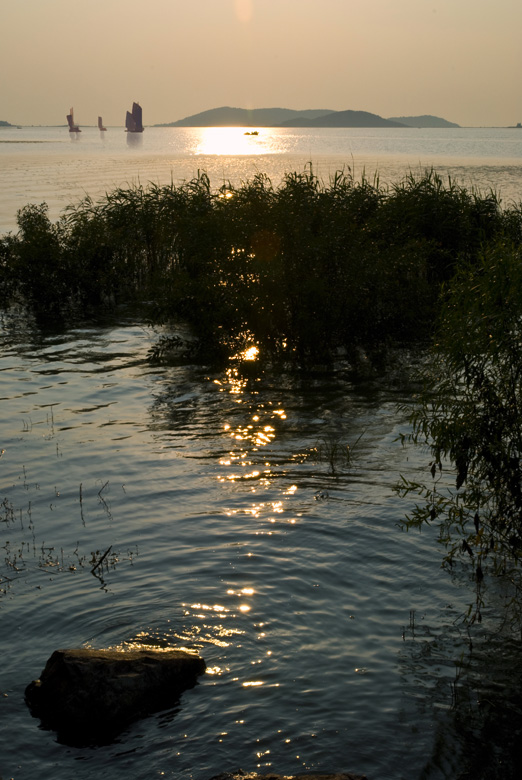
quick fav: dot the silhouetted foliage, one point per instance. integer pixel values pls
(470, 416)
(305, 270)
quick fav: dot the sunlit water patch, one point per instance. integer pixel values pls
(244, 514)
(46, 164)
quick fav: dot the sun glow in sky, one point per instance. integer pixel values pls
(459, 59)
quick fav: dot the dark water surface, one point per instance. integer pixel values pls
(330, 635)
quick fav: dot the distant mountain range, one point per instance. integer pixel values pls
(342, 119)
(286, 117)
(426, 120)
(244, 117)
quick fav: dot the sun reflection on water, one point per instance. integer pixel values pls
(251, 353)
(236, 141)
(251, 432)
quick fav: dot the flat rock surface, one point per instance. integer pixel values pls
(96, 693)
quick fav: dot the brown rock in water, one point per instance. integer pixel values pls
(240, 775)
(91, 695)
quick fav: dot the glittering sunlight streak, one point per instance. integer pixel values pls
(250, 353)
(255, 431)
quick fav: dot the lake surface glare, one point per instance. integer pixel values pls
(232, 522)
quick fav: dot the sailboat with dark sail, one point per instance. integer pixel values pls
(100, 124)
(73, 128)
(133, 119)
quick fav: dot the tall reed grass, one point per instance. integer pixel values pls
(304, 270)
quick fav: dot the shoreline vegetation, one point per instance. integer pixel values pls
(305, 271)
(309, 273)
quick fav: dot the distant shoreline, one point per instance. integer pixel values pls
(271, 127)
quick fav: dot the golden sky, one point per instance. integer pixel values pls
(458, 59)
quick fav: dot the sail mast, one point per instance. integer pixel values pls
(134, 120)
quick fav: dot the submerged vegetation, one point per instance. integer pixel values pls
(304, 271)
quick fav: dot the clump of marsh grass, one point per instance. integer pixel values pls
(332, 449)
(308, 268)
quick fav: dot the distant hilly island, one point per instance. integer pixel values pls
(287, 117)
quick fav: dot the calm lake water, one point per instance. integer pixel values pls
(332, 638)
(322, 624)
(59, 167)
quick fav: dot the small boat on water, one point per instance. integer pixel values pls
(73, 128)
(100, 124)
(252, 132)
(133, 119)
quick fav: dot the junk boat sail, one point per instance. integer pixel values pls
(70, 121)
(133, 120)
(100, 124)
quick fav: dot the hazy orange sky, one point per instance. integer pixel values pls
(458, 59)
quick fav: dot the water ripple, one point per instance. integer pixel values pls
(241, 530)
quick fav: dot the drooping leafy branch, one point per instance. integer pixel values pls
(469, 415)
